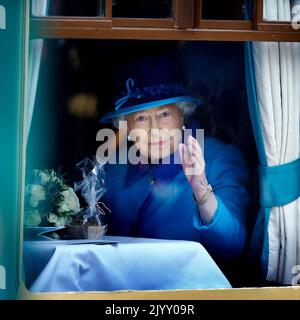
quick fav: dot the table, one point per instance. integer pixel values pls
(129, 264)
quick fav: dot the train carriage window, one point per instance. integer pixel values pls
(79, 8)
(81, 56)
(223, 10)
(75, 90)
(142, 8)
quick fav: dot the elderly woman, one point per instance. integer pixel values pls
(202, 198)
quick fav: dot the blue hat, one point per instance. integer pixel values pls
(153, 83)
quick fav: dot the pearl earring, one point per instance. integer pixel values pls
(183, 127)
(129, 138)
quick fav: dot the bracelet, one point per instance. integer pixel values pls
(205, 197)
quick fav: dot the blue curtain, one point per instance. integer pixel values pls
(258, 250)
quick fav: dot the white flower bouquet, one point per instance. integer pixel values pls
(49, 200)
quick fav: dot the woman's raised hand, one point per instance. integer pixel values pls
(193, 165)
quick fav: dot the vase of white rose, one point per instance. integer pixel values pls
(49, 200)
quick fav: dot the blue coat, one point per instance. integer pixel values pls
(156, 201)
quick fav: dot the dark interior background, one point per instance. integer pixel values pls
(227, 10)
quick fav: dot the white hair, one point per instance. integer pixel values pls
(186, 108)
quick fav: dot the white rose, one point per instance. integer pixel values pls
(37, 192)
(52, 218)
(61, 221)
(45, 178)
(32, 219)
(35, 172)
(70, 202)
(33, 202)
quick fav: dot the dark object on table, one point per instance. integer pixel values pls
(86, 225)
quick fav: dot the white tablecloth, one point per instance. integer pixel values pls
(131, 264)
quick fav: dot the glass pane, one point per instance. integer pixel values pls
(223, 10)
(80, 8)
(142, 8)
(76, 86)
(285, 10)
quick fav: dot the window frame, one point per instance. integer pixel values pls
(267, 25)
(187, 24)
(96, 28)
